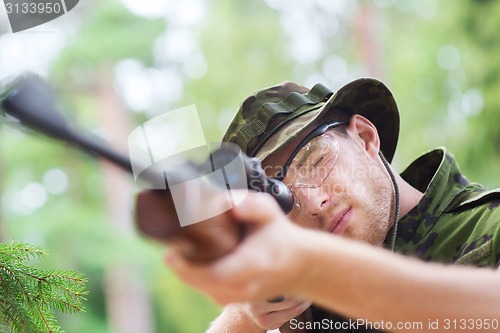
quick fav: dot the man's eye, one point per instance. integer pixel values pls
(318, 161)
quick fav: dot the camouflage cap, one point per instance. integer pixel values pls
(281, 116)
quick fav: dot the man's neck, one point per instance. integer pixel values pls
(409, 196)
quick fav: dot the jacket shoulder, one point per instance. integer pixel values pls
(474, 197)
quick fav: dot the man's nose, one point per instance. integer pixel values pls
(316, 200)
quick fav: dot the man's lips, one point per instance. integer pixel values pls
(339, 221)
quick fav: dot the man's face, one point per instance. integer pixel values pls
(353, 199)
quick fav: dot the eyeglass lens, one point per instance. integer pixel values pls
(310, 167)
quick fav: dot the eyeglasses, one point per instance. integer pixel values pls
(311, 163)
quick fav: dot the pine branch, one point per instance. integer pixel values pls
(29, 296)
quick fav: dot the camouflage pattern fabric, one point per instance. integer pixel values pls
(456, 222)
(284, 114)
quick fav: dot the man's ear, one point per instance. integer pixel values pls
(365, 133)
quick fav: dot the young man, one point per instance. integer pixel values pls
(331, 151)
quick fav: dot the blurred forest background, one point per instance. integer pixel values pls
(117, 63)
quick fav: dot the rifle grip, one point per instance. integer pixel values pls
(204, 241)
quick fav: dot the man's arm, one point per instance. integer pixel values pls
(347, 277)
(361, 281)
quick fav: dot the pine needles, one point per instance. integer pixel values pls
(29, 296)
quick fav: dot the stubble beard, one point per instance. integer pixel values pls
(379, 212)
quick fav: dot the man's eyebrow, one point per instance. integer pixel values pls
(306, 154)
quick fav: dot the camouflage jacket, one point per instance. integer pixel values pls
(456, 221)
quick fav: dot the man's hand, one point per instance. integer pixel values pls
(268, 261)
(275, 315)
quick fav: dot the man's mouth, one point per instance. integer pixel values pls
(339, 221)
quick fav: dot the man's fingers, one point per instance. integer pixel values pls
(258, 308)
(191, 273)
(277, 319)
(205, 278)
(238, 275)
(257, 208)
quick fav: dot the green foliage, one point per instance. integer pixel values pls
(479, 28)
(433, 100)
(29, 295)
(181, 309)
(245, 51)
(110, 33)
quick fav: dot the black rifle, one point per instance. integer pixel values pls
(30, 100)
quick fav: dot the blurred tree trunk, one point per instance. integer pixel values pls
(368, 46)
(128, 305)
(2, 222)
